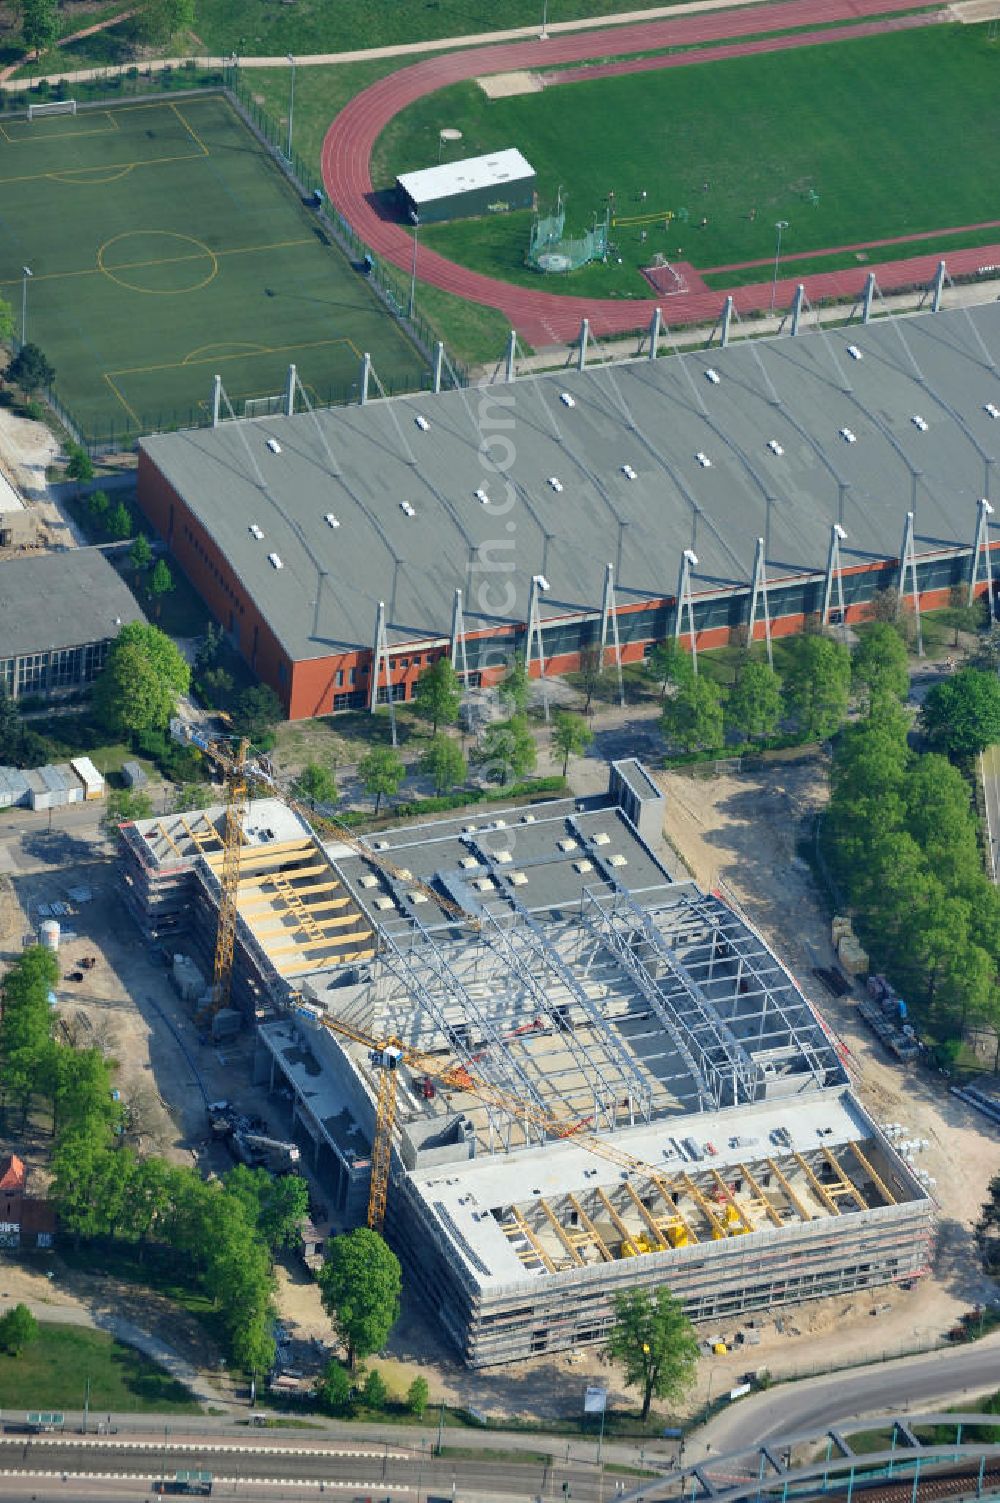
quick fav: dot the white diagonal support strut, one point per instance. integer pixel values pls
(758, 594)
(834, 574)
(689, 560)
(609, 619)
(908, 561)
(534, 642)
(458, 654)
(981, 549)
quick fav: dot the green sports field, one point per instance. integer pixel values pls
(166, 246)
(848, 142)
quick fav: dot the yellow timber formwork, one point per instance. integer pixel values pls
(873, 1174)
(817, 1186)
(588, 1226)
(845, 1185)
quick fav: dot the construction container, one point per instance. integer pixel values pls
(187, 978)
(49, 934)
(840, 926)
(71, 783)
(852, 957)
(226, 1023)
(90, 779)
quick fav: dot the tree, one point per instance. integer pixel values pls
(962, 715)
(143, 677)
(571, 736)
(315, 785)
(591, 674)
(986, 653)
(276, 1204)
(30, 370)
(443, 762)
(515, 688)
(381, 771)
(98, 505)
(374, 1392)
(39, 24)
(6, 319)
(360, 1285)
(418, 1393)
(161, 582)
(885, 605)
(653, 1340)
(669, 663)
(335, 1390)
(817, 686)
(18, 1329)
(154, 22)
(438, 694)
(119, 523)
(507, 749)
(255, 714)
(693, 716)
(141, 555)
(125, 804)
(754, 704)
(79, 465)
(880, 664)
(988, 1225)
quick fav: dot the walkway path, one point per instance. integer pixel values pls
(546, 318)
(130, 1334)
(75, 36)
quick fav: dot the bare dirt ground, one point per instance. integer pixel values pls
(25, 450)
(507, 85)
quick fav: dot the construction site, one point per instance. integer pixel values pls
(549, 1071)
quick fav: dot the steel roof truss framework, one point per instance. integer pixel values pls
(724, 1073)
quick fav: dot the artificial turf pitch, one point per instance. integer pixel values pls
(165, 245)
(847, 142)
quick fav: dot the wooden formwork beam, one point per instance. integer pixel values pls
(876, 1178)
(268, 855)
(819, 1189)
(525, 1230)
(616, 1220)
(169, 838)
(645, 1213)
(800, 1210)
(590, 1229)
(303, 967)
(848, 1185)
(704, 1205)
(560, 1231)
(762, 1196)
(731, 1200)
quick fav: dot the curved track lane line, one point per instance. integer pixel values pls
(546, 318)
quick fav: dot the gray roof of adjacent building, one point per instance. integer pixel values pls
(64, 599)
(406, 499)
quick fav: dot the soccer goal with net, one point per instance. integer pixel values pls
(55, 107)
(264, 406)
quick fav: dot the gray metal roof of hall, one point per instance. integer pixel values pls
(579, 431)
(64, 599)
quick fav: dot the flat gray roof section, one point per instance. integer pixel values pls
(559, 500)
(53, 600)
(451, 178)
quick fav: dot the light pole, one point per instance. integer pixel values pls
(782, 224)
(291, 107)
(26, 276)
(543, 35)
(413, 268)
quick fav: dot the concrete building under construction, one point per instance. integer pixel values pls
(647, 1098)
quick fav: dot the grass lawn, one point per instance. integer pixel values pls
(52, 1373)
(264, 28)
(848, 142)
(165, 246)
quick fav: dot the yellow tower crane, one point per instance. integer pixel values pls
(388, 1056)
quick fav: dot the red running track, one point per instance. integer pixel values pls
(546, 318)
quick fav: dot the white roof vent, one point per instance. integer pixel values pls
(274, 560)
(992, 409)
(618, 860)
(703, 460)
(274, 446)
(555, 483)
(775, 447)
(628, 472)
(255, 531)
(407, 509)
(421, 422)
(331, 520)
(712, 375)
(482, 495)
(854, 352)
(566, 399)
(919, 422)
(848, 436)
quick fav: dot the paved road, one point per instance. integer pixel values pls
(817, 1403)
(364, 1470)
